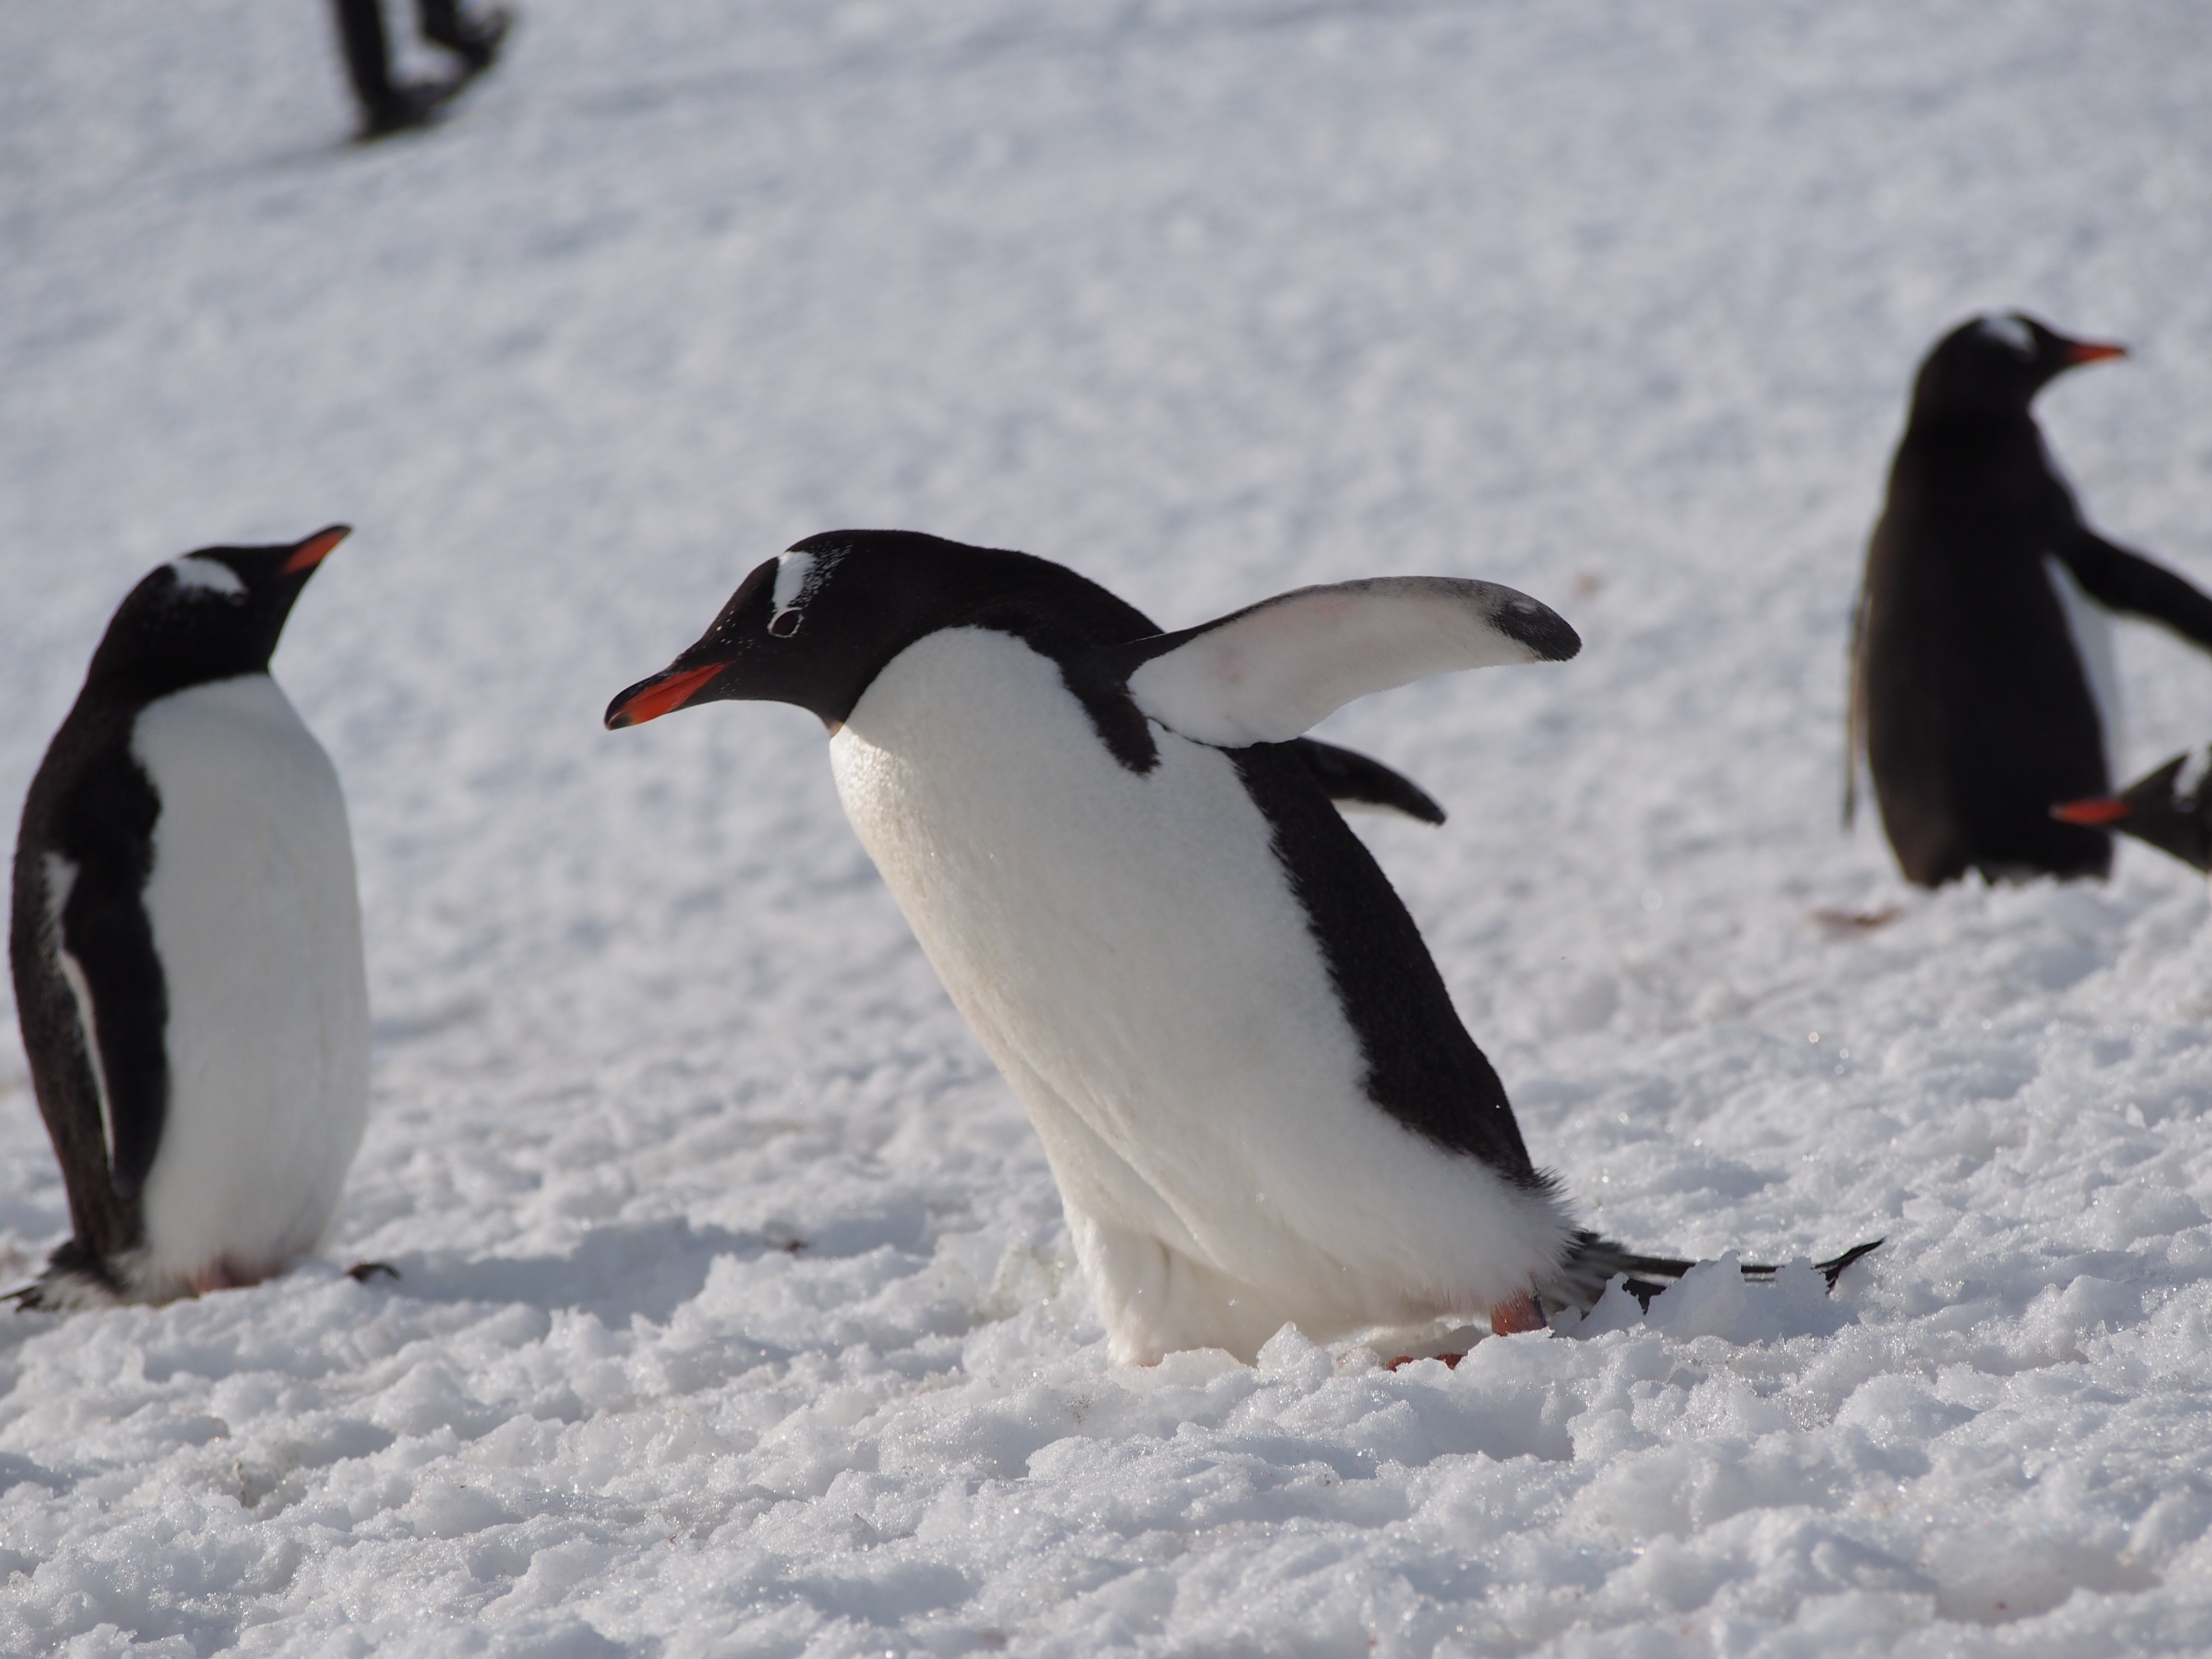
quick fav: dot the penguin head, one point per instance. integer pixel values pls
(1996, 365)
(211, 615)
(2154, 809)
(815, 626)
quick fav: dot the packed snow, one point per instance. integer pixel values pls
(736, 1312)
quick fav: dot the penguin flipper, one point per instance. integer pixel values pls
(2122, 581)
(1266, 673)
(110, 944)
(1355, 780)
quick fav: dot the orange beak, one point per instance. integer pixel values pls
(2097, 812)
(663, 694)
(317, 548)
(2094, 351)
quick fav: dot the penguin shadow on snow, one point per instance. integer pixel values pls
(649, 1269)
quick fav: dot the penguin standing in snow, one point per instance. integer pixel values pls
(1258, 1101)
(185, 940)
(1974, 655)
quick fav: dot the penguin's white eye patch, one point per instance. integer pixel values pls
(212, 574)
(798, 577)
(2011, 331)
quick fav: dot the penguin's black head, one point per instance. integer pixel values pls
(211, 615)
(1996, 365)
(2154, 810)
(816, 625)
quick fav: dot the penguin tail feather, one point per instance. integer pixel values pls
(1593, 1263)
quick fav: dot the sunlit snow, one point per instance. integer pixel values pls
(737, 1314)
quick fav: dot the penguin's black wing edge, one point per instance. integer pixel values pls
(2123, 581)
(1352, 779)
(103, 826)
(108, 936)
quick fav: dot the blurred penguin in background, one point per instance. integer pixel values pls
(389, 106)
(1979, 642)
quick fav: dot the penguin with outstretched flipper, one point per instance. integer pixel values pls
(1979, 640)
(1258, 1101)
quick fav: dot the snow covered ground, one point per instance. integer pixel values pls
(737, 1316)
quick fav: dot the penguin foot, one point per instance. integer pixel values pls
(75, 1278)
(411, 103)
(1522, 1313)
(1451, 1360)
(1845, 924)
(475, 40)
(220, 1275)
(362, 1271)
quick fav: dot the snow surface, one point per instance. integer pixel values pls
(737, 1316)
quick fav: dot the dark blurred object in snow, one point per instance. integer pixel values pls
(389, 106)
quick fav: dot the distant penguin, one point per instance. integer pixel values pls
(1974, 655)
(185, 940)
(2157, 808)
(1257, 1100)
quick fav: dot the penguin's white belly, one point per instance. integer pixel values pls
(256, 922)
(1130, 952)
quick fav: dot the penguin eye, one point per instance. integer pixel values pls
(798, 577)
(196, 574)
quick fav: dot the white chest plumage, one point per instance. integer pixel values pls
(256, 922)
(1132, 954)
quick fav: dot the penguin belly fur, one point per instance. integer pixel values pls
(1132, 956)
(257, 925)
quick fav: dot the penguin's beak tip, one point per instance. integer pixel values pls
(2096, 812)
(317, 548)
(663, 694)
(2094, 351)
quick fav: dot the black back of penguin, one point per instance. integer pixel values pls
(81, 937)
(1970, 693)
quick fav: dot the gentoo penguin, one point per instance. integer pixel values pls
(1257, 1100)
(1973, 655)
(185, 940)
(2155, 808)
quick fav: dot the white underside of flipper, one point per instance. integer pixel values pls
(1269, 673)
(1130, 952)
(2091, 626)
(258, 923)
